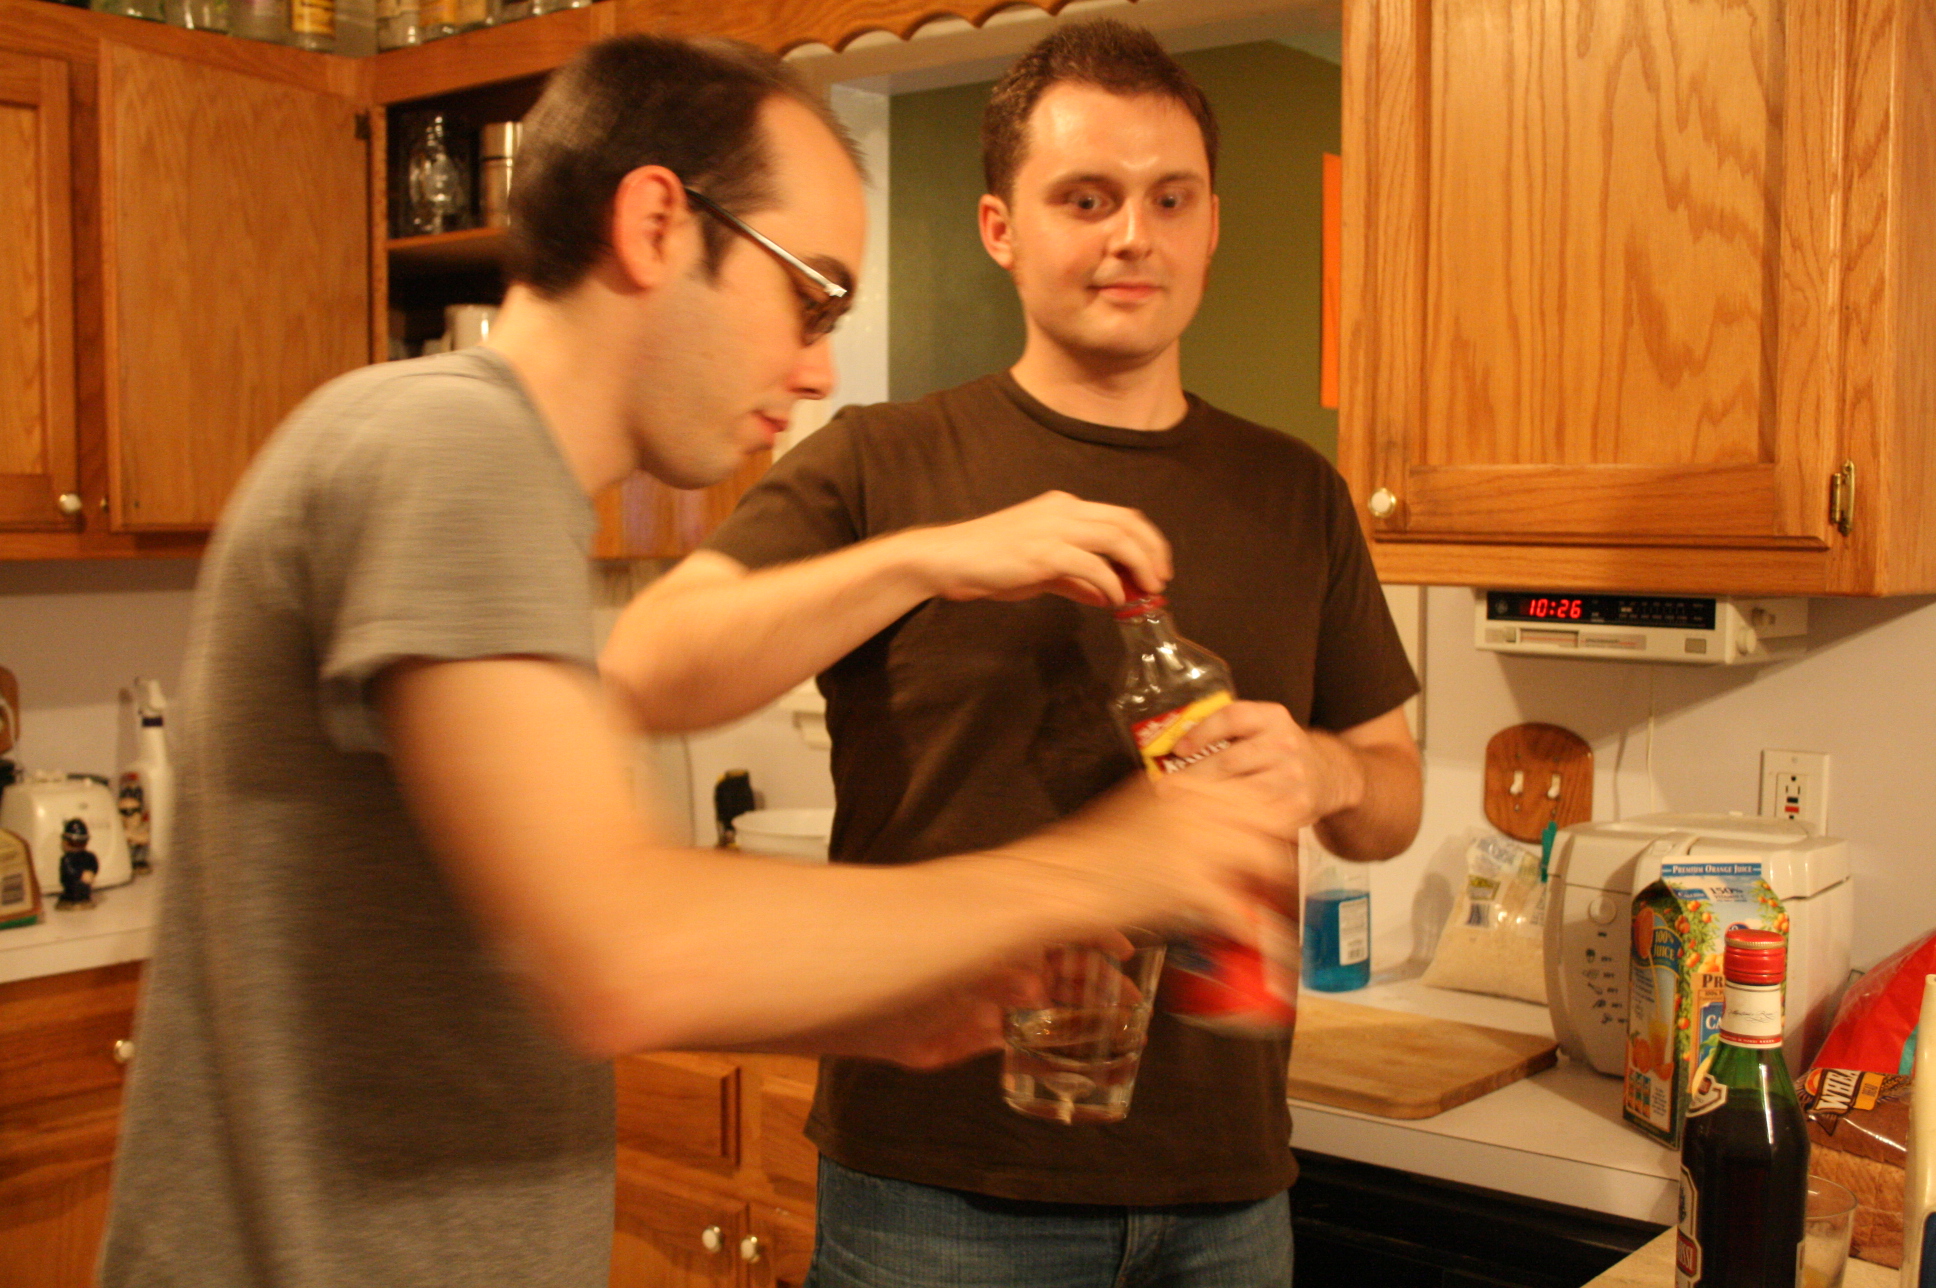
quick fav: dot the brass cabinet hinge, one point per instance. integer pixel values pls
(1841, 498)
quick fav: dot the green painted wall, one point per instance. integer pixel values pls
(1253, 349)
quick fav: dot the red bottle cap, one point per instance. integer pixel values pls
(1140, 606)
(1755, 956)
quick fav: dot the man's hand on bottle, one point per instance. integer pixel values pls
(1307, 776)
(1055, 544)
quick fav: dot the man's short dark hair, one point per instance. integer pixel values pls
(1104, 52)
(692, 106)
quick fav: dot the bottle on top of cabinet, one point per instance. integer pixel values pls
(397, 24)
(312, 25)
(265, 20)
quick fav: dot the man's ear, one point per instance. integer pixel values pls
(997, 233)
(1216, 222)
(653, 228)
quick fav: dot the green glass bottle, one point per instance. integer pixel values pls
(1744, 1151)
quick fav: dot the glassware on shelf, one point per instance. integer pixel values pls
(468, 15)
(436, 19)
(197, 15)
(495, 155)
(266, 20)
(149, 9)
(436, 175)
(512, 10)
(312, 25)
(397, 24)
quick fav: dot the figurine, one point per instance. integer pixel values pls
(133, 804)
(78, 867)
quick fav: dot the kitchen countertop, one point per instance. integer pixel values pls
(1653, 1267)
(118, 928)
(1557, 1136)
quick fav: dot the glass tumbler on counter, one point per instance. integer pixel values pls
(1825, 1233)
(436, 180)
(1074, 1060)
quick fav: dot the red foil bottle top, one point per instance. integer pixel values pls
(1139, 605)
(1755, 956)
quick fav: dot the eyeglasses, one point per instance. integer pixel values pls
(818, 314)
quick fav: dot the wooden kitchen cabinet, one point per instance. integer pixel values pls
(38, 471)
(189, 275)
(235, 273)
(716, 1176)
(1635, 296)
(60, 1103)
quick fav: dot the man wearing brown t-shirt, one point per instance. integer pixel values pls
(901, 552)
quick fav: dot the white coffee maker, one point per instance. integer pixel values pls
(43, 808)
(1596, 870)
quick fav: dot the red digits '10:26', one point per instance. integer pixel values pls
(1570, 609)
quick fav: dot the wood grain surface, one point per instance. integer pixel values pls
(1539, 758)
(1632, 276)
(1395, 1065)
(236, 272)
(37, 430)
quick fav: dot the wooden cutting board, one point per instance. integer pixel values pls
(1395, 1065)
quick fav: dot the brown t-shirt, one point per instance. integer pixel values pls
(967, 725)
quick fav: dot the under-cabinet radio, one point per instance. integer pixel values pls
(1700, 629)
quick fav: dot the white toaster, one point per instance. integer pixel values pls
(42, 808)
(1597, 869)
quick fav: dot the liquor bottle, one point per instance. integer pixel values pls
(312, 25)
(1744, 1150)
(1168, 686)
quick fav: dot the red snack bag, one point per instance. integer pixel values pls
(1879, 1014)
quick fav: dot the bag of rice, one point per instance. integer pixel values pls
(1494, 940)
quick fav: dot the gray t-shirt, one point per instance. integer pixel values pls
(336, 1083)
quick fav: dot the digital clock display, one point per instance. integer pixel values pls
(1687, 613)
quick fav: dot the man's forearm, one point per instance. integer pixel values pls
(712, 642)
(1387, 791)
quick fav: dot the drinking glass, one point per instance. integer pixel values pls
(1074, 1059)
(1825, 1237)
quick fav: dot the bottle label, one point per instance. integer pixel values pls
(1687, 1244)
(1156, 735)
(313, 17)
(1354, 931)
(1753, 1015)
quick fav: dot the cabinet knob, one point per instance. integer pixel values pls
(123, 1051)
(712, 1238)
(1382, 503)
(750, 1248)
(70, 503)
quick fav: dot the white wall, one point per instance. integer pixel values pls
(1865, 693)
(75, 635)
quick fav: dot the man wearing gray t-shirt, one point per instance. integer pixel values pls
(413, 909)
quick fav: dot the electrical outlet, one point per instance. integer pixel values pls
(1794, 786)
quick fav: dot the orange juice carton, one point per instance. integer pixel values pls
(1674, 981)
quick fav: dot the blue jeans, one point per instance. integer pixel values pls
(880, 1233)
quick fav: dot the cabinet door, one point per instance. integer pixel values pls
(236, 272)
(60, 1102)
(37, 443)
(1591, 270)
(674, 1238)
(779, 1248)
